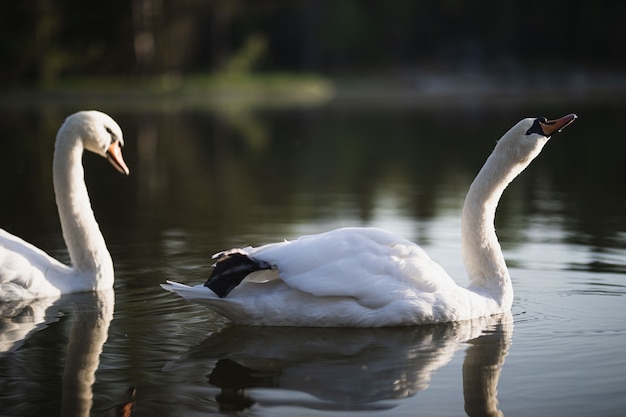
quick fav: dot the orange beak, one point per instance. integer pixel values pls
(114, 155)
(556, 125)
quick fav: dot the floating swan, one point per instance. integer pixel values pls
(28, 272)
(367, 277)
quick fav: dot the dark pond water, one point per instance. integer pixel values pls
(206, 179)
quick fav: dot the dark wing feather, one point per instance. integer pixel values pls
(231, 268)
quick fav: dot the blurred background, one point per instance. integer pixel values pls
(409, 44)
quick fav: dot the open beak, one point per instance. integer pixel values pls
(114, 155)
(551, 126)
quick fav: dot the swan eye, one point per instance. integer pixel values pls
(536, 127)
(110, 132)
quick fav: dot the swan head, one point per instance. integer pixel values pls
(99, 133)
(524, 141)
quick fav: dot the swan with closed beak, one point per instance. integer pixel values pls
(367, 277)
(28, 272)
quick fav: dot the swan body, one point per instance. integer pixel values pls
(367, 277)
(27, 272)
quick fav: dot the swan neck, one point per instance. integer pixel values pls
(85, 243)
(482, 253)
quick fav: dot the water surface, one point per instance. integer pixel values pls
(203, 180)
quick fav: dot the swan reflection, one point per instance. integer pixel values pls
(481, 370)
(19, 319)
(347, 369)
(90, 316)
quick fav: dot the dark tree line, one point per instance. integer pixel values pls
(43, 40)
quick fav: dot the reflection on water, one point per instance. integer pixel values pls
(345, 369)
(243, 367)
(481, 370)
(21, 318)
(208, 180)
(90, 316)
(88, 332)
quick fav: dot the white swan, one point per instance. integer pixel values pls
(28, 272)
(367, 277)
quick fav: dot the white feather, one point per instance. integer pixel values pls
(365, 277)
(27, 272)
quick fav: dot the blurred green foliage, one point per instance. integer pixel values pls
(46, 40)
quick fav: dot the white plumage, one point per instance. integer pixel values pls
(366, 277)
(27, 272)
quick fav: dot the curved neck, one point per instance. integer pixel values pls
(482, 254)
(86, 246)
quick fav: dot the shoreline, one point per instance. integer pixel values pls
(276, 90)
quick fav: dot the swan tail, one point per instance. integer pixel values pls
(230, 269)
(197, 293)
(173, 286)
